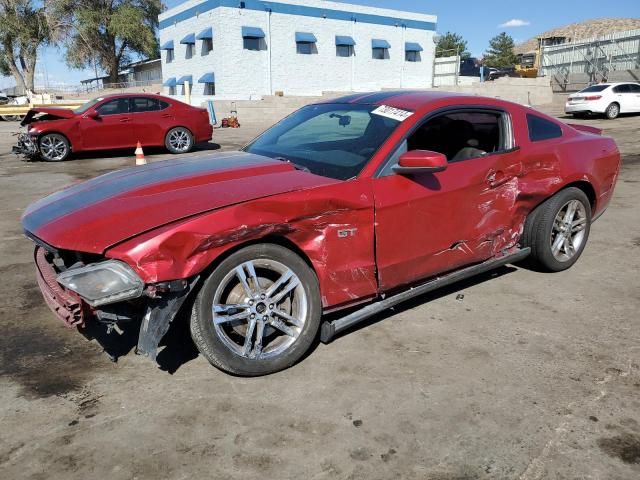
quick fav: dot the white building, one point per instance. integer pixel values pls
(237, 49)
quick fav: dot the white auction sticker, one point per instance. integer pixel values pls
(392, 112)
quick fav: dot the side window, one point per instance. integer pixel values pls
(412, 56)
(114, 107)
(142, 104)
(251, 43)
(634, 88)
(542, 129)
(163, 105)
(344, 50)
(380, 53)
(460, 135)
(621, 89)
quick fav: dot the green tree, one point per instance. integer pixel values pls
(106, 33)
(449, 44)
(23, 28)
(500, 53)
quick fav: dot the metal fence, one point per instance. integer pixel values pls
(591, 60)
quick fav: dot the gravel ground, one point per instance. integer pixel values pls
(513, 374)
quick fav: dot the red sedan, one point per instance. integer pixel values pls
(114, 122)
(358, 203)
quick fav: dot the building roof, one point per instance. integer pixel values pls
(582, 30)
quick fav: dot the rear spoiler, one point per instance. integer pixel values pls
(586, 129)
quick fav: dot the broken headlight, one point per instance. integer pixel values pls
(102, 283)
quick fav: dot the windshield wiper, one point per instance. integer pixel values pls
(297, 167)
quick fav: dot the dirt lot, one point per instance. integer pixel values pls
(528, 375)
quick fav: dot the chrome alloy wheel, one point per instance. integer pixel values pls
(259, 309)
(568, 232)
(180, 140)
(53, 147)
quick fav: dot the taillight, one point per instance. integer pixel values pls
(593, 97)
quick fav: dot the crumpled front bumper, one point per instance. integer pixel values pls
(26, 146)
(155, 311)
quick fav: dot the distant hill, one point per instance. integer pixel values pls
(587, 29)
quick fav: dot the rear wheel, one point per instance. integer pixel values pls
(612, 111)
(54, 147)
(557, 230)
(258, 312)
(179, 140)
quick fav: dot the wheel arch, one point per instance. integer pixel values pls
(56, 132)
(177, 126)
(267, 239)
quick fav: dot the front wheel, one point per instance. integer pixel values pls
(258, 312)
(54, 147)
(557, 230)
(179, 140)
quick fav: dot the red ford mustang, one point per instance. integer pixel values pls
(362, 201)
(113, 122)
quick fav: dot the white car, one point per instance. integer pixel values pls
(611, 99)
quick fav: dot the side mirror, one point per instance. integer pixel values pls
(93, 114)
(420, 161)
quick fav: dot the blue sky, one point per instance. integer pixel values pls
(476, 21)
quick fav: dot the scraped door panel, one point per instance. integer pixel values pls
(436, 222)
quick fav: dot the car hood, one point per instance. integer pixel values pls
(95, 215)
(49, 113)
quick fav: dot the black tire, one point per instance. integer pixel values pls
(212, 341)
(54, 147)
(612, 111)
(179, 140)
(539, 233)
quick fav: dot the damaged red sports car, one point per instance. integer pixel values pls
(113, 122)
(360, 203)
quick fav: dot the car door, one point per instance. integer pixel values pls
(430, 223)
(110, 128)
(151, 118)
(635, 96)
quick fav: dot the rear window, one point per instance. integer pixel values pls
(542, 129)
(595, 88)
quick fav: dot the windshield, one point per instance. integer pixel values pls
(595, 88)
(332, 140)
(87, 106)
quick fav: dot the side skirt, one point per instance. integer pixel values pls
(330, 329)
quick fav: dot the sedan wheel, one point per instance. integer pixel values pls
(54, 147)
(258, 312)
(179, 140)
(612, 111)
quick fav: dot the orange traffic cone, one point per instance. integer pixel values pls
(140, 160)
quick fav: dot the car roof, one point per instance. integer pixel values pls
(415, 99)
(128, 95)
(613, 84)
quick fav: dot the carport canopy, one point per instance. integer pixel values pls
(167, 45)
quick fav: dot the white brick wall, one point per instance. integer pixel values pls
(244, 74)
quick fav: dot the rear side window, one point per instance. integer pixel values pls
(594, 88)
(143, 104)
(622, 89)
(542, 129)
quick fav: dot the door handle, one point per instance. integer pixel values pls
(495, 178)
(166, 115)
(124, 120)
